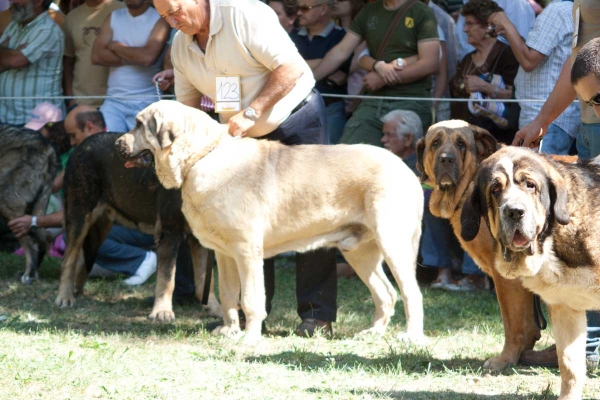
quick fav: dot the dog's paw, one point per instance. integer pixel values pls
(372, 331)
(497, 363)
(412, 338)
(65, 301)
(28, 280)
(214, 309)
(251, 339)
(229, 331)
(162, 316)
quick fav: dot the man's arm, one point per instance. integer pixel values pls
(561, 97)
(148, 54)
(22, 225)
(12, 58)
(528, 58)
(281, 82)
(101, 55)
(428, 53)
(337, 56)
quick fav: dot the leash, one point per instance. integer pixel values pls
(538, 315)
(210, 263)
(158, 93)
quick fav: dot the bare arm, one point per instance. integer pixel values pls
(281, 82)
(528, 58)
(22, 225)
(561, 97)
(148, 54)
(101, 55)
(337, 55)
(427, 63)
(12, 58)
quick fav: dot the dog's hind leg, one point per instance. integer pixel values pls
(92, 242)
(229, 290)
(400, 249)
(203, 259)
(34, 246)
(366, 261)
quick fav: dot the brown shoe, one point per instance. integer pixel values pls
(543, 358)
(309, 326)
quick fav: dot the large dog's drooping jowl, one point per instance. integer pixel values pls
(251, 199)
(544, 216)
(448, 158)
(28, 165)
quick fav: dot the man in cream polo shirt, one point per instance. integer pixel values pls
(244, 39)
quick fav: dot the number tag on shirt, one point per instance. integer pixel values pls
(229, 94)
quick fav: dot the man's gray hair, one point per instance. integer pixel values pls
(408, 122)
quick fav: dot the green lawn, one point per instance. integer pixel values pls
(106, 348)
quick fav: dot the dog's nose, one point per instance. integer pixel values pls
(446, 158)
(515, 212)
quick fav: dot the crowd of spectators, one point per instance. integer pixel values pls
(476, 50)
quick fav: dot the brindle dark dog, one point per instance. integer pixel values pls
(99, 190)
(28, 164)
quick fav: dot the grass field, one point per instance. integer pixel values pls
(106, 348)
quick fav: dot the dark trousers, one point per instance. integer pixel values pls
(316, 279)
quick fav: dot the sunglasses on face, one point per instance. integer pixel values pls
(594, 101)
(305, 9)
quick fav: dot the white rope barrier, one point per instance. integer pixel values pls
(342, 96)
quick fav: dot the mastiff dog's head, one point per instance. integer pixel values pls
(448, 157)
(172, 137)
(520, 195)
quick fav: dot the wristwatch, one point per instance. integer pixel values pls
(33, 221)
(250, 113)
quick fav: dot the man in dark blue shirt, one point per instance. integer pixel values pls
(317, 35)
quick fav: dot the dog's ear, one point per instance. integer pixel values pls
(420, 154)
(486, 143)
(558, 195)
(473, 209)
(163, 131)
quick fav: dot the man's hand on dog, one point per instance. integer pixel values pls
(20, 226)
(239, 125)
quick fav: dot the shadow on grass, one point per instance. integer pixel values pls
(441, 395)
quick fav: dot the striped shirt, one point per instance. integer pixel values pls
(551, 36)
(42, 77)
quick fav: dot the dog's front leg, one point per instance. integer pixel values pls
(250, 268)
(166, 249)
(569, 328)
(516, 308)
(229, 290)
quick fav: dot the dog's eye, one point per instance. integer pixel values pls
(530, 185)
(461, 144)
(435, 143)
(496, 189)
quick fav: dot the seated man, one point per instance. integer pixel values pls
(124, 250)
(31, 52)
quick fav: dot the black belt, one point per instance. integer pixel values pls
(304, 101)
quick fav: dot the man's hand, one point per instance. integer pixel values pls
(500, 21)
(530, 135)
(373, 81)
(387, 71)
(239, 125)
(165, 79)
(339, 77)
(20, 226)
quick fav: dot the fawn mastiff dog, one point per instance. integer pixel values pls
(28, 165)
(545, 217)
(251, 199)
(99, 191)
(448, 158)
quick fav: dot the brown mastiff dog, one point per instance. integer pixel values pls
(544, 215)
(448, 158)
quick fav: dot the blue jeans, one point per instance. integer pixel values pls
(556, 141)
(336, 120)
(588, 140)
(120, 115)
(439, 246)
(124, 250)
